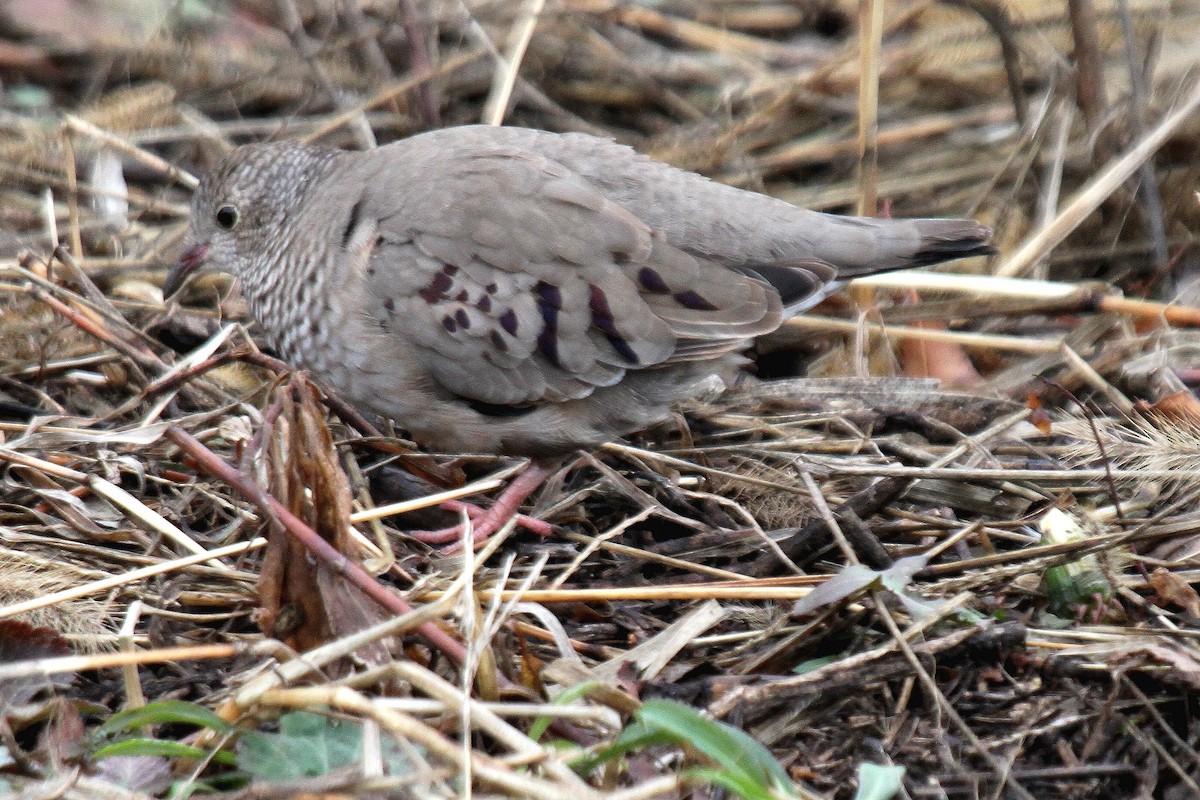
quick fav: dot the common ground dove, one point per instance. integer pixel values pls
(508, 290)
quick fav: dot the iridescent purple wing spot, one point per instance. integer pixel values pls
(549, 302)
(652, 282)
(602, 320)
(691, 300)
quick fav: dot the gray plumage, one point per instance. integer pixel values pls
(518, 291)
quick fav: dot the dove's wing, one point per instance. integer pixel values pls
(515, 281)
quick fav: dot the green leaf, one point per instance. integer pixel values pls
(878, 782)
(634, 737)
(310, 745)
(813, 664)
(745, 760)
(307, 745)
(743, 766)
(749, 790)
(541, 724)
(166, 712)
(161, 747)
(895, 580)
(30, 98)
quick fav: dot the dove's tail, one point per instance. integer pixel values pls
(924, 242)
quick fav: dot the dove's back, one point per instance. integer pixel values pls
(733, 226)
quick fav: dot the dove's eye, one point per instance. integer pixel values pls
(227, 217)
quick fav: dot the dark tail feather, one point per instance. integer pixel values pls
(938, 240)
(804, 283)
(945, 240)
(796, 281)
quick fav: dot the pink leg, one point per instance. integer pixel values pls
(523, 521)
(485, 522)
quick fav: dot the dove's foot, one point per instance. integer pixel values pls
(485, 522)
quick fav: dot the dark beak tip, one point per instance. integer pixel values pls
(189, 261)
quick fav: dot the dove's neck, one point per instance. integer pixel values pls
(302, 291)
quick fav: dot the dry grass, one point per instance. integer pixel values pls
(162, 508)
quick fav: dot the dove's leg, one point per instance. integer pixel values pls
(523, 520)
(485, 522)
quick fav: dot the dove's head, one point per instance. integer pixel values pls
(244, 209)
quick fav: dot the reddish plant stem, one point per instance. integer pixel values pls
(295, 527)
(141, 357)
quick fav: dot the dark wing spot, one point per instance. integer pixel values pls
(622, 348)
(435, 290)
(651, 281)
(602, 316)
(547, 342)
(390, 305)
(602, 320)
(462, 296)
(508, 321)
(694, 301)
(549, 302)
(460, 316)
(450, 270)
(549, 295)
(484, 304)
(494, 410)
(491, 288)
(352, 223)
(449, 324)
(498, 342)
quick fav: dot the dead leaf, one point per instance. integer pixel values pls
(20, 641)
(305, 603)
(1172, 589)
(1181, 407)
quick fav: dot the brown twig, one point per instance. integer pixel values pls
(1089, 72)
(215, 466)
(870, 25)
(813, 535)
(418, 53)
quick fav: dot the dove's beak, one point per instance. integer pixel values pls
(189, 261)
